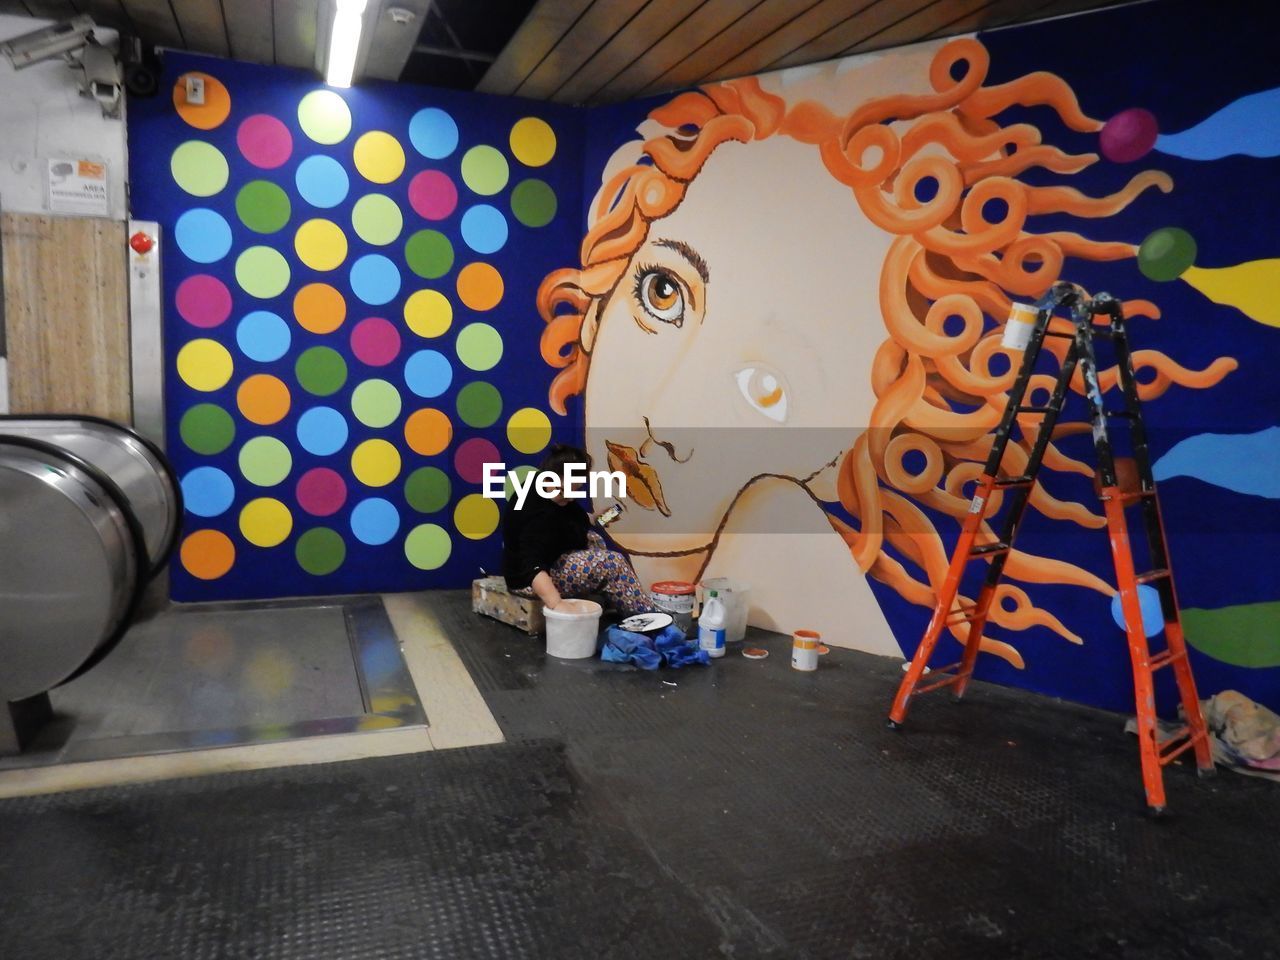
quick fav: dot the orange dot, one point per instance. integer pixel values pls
(480, 286)
(207, 115)
(319, 308)
(263, 399)
(207, 554)
(428, 432)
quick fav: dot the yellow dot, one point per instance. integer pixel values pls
(204, 365)
(529, 430)
(321, 244)
(266, 522)
(476, 516)
(375, 463)
(428, 313)
(379, 157)
(533, 141)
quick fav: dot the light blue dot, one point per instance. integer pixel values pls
(322, 431)
(263, 336)
(1152, 612)
(433, 133)
(374, 521)
(375, 279)
(321, 181)
(484, 229)
(203, 235)
(427, 373)
(207, 491)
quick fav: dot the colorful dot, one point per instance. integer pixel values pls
(480, 286)
(321, 492)
(533, 203)
(320, 551)
(203, 301)
(377, 219)
(207, 554)
(322, 181)
(375, 341)
(375, 463)
(263, 399)
(375, 279)
(1129, 135)
(432, 195)
(476, 516)
(479, 346)
(376, 403)
(263, 336)
(322, 431)
(378, 156)
(266, 522)
(433, 133)
(484, 229)
(1166, 254)
(265, 461)
(472, 455)
(529, 430)
(207, 429)
(485, 170)
(428, 373)
(428, 432)
(263, 206)
(207, 491)
(262, 272)
(427, 546)
(202, 235)
(479, 404)
(264, 141)
(321, 371)
(533, 142)
(321, 244)
(374, 521)
(319, 308)
(428, 313)
(429, 254)
(1148, 603)
(203, 116)
(205, 365)
(324, 117)
(199, 168)
(428, 489)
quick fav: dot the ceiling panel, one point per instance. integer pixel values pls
(50, 9)
(202, 26)
(295, 31)
(791, 36)
(390, 43)
(584, 39)
(249, 31)
(931, 19)
(546, 24)
(107, 13)
(155, 22)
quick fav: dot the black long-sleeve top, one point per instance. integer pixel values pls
(535, 537)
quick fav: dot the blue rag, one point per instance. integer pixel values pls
(649, 653)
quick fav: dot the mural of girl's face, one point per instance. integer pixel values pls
(738, 342)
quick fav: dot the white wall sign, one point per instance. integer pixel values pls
(78, 187)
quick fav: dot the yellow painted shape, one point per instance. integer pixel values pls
(1249, 287)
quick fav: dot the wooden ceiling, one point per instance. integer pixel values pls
(572, 51)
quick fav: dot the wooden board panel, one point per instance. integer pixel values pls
(791, 36)
(601, 21)
(50, 9)
(155, 22)
(202, 26)
(923, 22)
(295, 26)
(251, 31)
(66, 315)
(542, 29)
(872, 18)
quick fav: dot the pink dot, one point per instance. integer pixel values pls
(203, 301)
(264, 141)
(375, 341)
(433, 195)
(1129, 135)
(321, 492)
(470, 458)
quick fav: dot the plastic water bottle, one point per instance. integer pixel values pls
(711, 626)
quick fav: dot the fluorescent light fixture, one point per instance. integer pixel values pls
(344, 41)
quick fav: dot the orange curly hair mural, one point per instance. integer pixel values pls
(936, 395)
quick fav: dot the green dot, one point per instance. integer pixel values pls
(376, 403)
(485, 170)
(427, 546)
(534, 203)
(320, 551)
(321, 371)
(377, 219)
(479, 346)
(262, 272)
(428, 489)
(199, 168)
(429, 254)
(263, 207)
(207, 429)
(1166, 254)
(521, 472)
(479, 404)
(265, 461)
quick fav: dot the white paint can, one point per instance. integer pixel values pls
(804, 649)
(676, 598)
(1019, 327)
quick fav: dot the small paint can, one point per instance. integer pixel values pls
(676, 598)
(804, 649)
(1018, 328)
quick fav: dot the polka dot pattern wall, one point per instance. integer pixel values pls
(350, 329)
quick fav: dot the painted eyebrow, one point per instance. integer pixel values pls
(690, 254)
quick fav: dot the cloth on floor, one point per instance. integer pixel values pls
(1246, 735)
(649, 652)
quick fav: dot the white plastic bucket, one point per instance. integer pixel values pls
(1019, 327)
(736, 597)
(572, 628)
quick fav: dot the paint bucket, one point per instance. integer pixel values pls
(736, 597)
(1018, 328)
(676, 598)
(804, 649)
(572, 628)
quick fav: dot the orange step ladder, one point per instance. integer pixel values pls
(1155, 752)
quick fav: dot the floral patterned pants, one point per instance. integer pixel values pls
(597, 568)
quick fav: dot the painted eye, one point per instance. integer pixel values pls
(661, 296)
(764, 391)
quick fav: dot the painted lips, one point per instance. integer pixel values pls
(643, 486)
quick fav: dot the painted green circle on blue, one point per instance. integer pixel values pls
(321, 371)
(533, 202)
(428, 373)
(207, 491)
(375, 521)
(479, 404)
(433, 133)
(429, 254)
(320, 551)
(263, 336)
(262, 206)
(202, 235)
(375, 279)
(484, 228)
(322, 181)
(322, 431)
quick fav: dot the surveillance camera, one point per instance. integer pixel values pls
(57, 40)
(101, 77)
